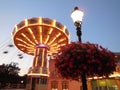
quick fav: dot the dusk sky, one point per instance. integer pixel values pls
(101, 22)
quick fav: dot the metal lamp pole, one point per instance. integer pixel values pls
(77, 16)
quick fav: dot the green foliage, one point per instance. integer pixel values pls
(11, 69)
(9, 74)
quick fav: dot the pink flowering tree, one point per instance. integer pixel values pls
(81, 60)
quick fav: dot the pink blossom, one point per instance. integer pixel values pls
(91, 58)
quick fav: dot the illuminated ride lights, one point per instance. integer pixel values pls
(40, 37)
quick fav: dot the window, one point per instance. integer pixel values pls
(43, 80)
(54, 85)
(65, 85)
(106, 88)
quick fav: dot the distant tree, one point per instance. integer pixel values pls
(9, 74)
(13, 68)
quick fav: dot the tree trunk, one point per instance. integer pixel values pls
(84, 81)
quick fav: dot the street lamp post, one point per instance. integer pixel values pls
(77, 16)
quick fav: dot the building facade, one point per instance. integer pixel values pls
(55, 82)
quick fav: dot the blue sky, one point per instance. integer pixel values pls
(101, 22)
